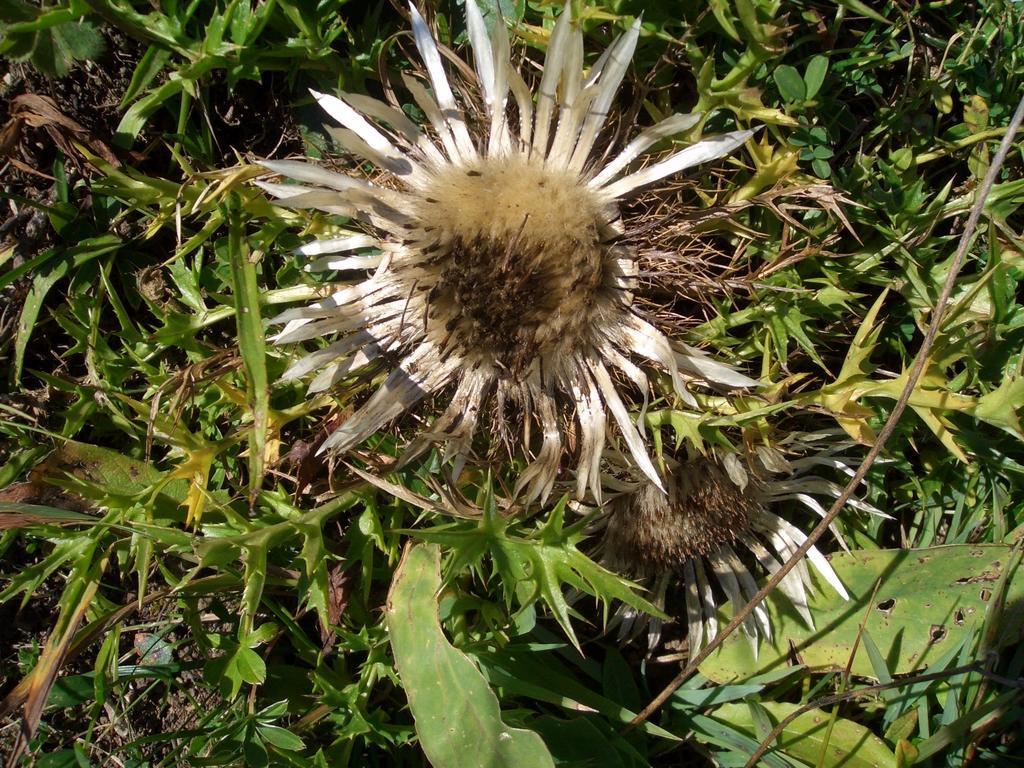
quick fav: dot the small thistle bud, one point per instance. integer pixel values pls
(695, 533)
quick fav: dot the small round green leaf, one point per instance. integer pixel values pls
(791, 85)
(817, 68)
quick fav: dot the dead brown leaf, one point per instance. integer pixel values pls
(337, 602)
(42, 112)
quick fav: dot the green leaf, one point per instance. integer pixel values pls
(273, 711)
(850, 744)
(861, 8)
(791, 85)
(948, 734)
(70, 691)
(878, 663)
(723, 15)
(457, 716)
(139, 112)
(53, 40)
(62, 758)
(43, 281)
(789, 322)
(246, 666)
(1000, 406)
(817, 68)
(528, 672)
(255, 577)
(63, 555)
(902, 158)
(262, 634)
(79, 40)
(928, 601)
(18, 515)
(149, 66)
(41, 285)
(255, 754)
(724, 734)
(250, 341)
(99, 472)
(536, 567)
(280, 737)
(582, 741)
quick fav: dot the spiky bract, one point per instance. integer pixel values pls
(714, 512)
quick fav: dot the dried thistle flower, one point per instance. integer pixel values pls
(693, 536)
(496, 258)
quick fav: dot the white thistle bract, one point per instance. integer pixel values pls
(495, 258)
(694, 536)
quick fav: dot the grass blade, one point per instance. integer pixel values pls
(251, 342)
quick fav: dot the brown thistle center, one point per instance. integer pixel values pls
(518, 267)
(651, 532)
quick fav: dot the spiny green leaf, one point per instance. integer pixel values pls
(539, 566)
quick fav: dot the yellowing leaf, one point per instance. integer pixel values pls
(849, 744)
(999, 407)
(196, 469)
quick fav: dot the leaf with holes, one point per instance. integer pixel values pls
(96, 472)
(927, 601)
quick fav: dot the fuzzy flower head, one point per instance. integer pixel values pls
(493, 258)
(716, 518)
